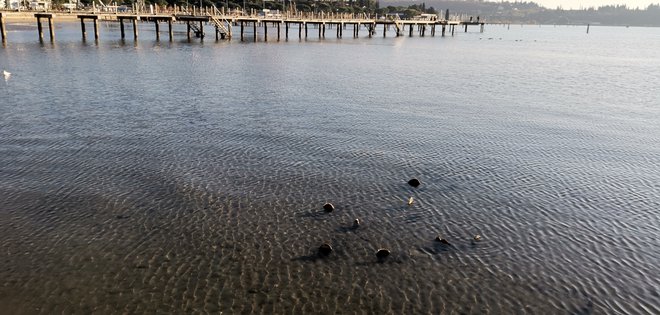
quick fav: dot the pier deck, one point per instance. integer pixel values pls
(223, 23)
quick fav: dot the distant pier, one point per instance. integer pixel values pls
(224, 24)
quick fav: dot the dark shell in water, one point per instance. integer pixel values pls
(442, 240)
(382, 253)
(325, 249)
(328, 207)
(414, 182)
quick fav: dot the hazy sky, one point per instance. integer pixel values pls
(575, 4)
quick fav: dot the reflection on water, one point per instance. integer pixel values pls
(182, 177)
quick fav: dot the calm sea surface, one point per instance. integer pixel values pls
(189, 177)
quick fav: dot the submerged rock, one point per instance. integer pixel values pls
(325, 249)
(356, 223)
(328, 207)
(382, 253)
(414, 182)
(442, 240)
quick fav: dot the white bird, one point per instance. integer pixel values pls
(6, 74)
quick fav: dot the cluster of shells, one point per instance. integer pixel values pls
(382, 253)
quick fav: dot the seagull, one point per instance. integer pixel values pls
(6, 74)
(410, 201)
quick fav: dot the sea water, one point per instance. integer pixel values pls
(189, 176)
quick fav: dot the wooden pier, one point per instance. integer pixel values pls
(195, 23)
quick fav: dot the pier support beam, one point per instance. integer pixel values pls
(443, 30)
(242, 29)
(265, 31)
(305, 30)
(201, 30)
(121, 28)
(466, 28)
(135, 29)
(51, 29)
(286, 30)
(188, 30)
(279, 25)
(254, 30)
(157, 30)
(3, 29)
(169, 27)
(410, 30)
(95, 19)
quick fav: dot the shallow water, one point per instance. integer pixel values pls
(145, 177)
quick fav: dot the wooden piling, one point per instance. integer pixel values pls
(51, 29)
(443, 30)
(121, 27)
(157, 30)
(96, 29)
(188, 29)
(242, 31)
(254, 30)
(40, 30)
(279, 25)
(82, 28)
(3, 29)
(169, 26)
(300, 30)
(201, 30)
(466, 28)
(265, 32)
(305, 30)
(410, 31)
(286, 30)
(135, 29)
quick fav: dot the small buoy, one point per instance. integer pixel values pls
(414, 182)
(356, 223)
(477, 237)
(410, 200)
(382, 253)
(325, 249)
(442, 240)
(328, 207)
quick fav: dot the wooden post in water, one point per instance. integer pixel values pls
(588, 28)
(51, 29)
(466, 28)
(286, 30)
(121, 28)
(452, 30)
(188, 29)
(82, 28)
(265, 31)
(254, 30)
(300, 30)
(40, 30)
(241, 30)
(169, 26)
(96, 29)
(157, 29)
(443, 30)
(201, 30)
(410, 30)
(279, 25)
(305, 30)
(3, 30)
(135, 29)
